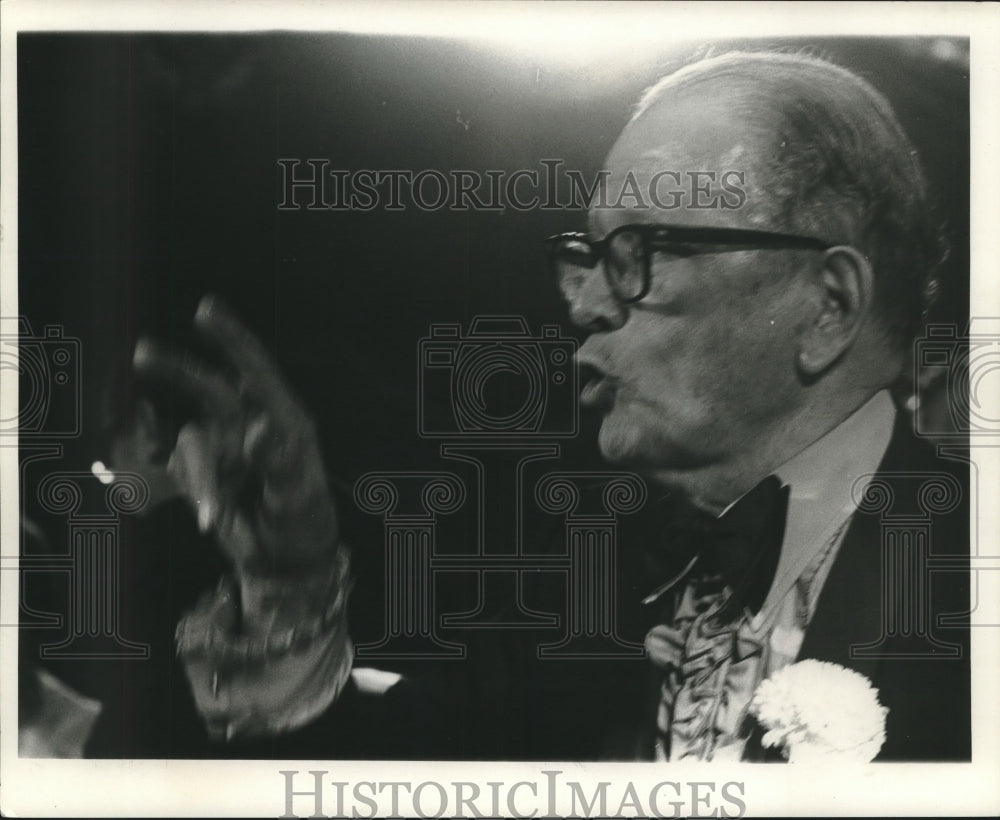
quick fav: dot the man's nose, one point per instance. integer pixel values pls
(593, 306)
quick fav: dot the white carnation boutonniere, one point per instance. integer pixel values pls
(819, 711)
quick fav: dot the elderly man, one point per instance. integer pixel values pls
(739, 351)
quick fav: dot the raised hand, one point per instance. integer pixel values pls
(250, 461)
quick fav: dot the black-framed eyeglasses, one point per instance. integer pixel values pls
(627, 250)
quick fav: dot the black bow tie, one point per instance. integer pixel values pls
(740, 549)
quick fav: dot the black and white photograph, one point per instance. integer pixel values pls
(499, 410)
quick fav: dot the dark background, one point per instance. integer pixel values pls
(148, 176)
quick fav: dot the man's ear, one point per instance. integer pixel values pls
(845, 290)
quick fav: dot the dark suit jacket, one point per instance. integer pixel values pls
(908, 633)
(886, 611)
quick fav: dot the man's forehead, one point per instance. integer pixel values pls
(679, 156)
(673, 155)
(706, 122)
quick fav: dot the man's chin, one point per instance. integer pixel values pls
(624, 445)
(636, 447)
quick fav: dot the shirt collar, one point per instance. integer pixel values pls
(825, 471)
(820, 499)
(822, 488)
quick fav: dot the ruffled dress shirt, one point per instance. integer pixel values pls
(711, 669)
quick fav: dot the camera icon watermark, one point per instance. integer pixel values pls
(49, 375)
(957, 378)
(497, 381)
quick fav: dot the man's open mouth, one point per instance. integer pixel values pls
(598, 388)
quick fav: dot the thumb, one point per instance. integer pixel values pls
(193, 467)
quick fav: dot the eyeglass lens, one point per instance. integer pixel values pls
(575, 258)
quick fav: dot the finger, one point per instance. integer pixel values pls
(286, 464)
(281, 454)
(241, 543)
(255, 436)
(260, 377)
(193, 466)
(206, 387)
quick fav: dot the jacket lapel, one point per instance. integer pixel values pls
(849, 610)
